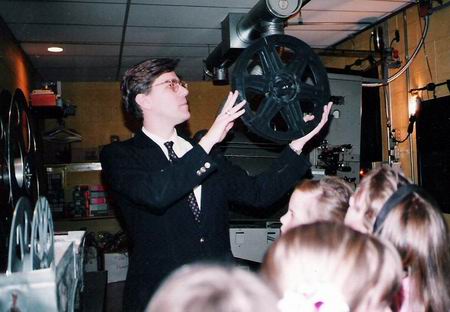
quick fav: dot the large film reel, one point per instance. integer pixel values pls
(5, 101)
(6, 209)
(21, 150)
(282, 79)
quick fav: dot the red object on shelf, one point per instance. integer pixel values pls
(97, 188)
(97, 200)
(47, 99)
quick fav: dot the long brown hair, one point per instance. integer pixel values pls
(419, 232)
(417, 229)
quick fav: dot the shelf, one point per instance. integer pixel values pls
(85, 218)
(47, 112)
(73, 167)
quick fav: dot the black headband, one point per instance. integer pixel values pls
(396, 198)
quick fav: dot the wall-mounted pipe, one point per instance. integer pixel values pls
(267, 17)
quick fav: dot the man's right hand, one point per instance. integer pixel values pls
(224, 122)
(297, 144)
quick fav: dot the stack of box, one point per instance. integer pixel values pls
(55, 194)
(97, 199)
(90, 200)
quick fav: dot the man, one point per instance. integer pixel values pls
(174, 196)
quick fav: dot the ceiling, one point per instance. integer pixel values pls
(101, 38)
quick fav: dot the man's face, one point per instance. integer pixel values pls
(300, 205)
(166, 101)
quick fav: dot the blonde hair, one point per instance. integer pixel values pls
(205, 288)
(364, 269)
(419, 232)
(333, 195)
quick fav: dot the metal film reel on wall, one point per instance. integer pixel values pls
(21, 150)
(282, 80)
(6, 209)
(5, 101)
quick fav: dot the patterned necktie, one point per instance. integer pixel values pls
(192, 201)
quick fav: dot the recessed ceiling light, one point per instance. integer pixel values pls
(55, 49)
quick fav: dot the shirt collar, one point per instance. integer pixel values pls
(157, 139)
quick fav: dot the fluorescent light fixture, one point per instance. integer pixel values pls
(55, 49)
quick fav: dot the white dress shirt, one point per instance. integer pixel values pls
(180, 147)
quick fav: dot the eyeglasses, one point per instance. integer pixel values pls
(174, 84)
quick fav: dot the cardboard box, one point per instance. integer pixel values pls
(117, 266)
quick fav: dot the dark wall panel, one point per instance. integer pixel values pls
(433, 145)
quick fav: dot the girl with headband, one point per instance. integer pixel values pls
(387, 205)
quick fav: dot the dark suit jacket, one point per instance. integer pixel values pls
(151, 193)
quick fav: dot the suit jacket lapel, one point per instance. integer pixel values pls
(149, 151)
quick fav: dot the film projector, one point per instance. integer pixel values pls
(283, 82)
(41, 271)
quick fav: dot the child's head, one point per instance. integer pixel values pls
(330, 264)
(311, 201)
(419, 232)
(373, 191)
(387, 205)
(207, 287)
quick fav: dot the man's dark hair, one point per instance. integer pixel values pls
(139, 78)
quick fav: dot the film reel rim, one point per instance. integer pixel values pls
(276, 101)
(5, 97)
(22, 211)
(42, 252)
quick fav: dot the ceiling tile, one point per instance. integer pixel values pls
(167, 51)
(356, 5)
(99, 1)
(179, 16)
(66, 34)
(74, 61)
(248, 4)
(44, 12)
(173, 36)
